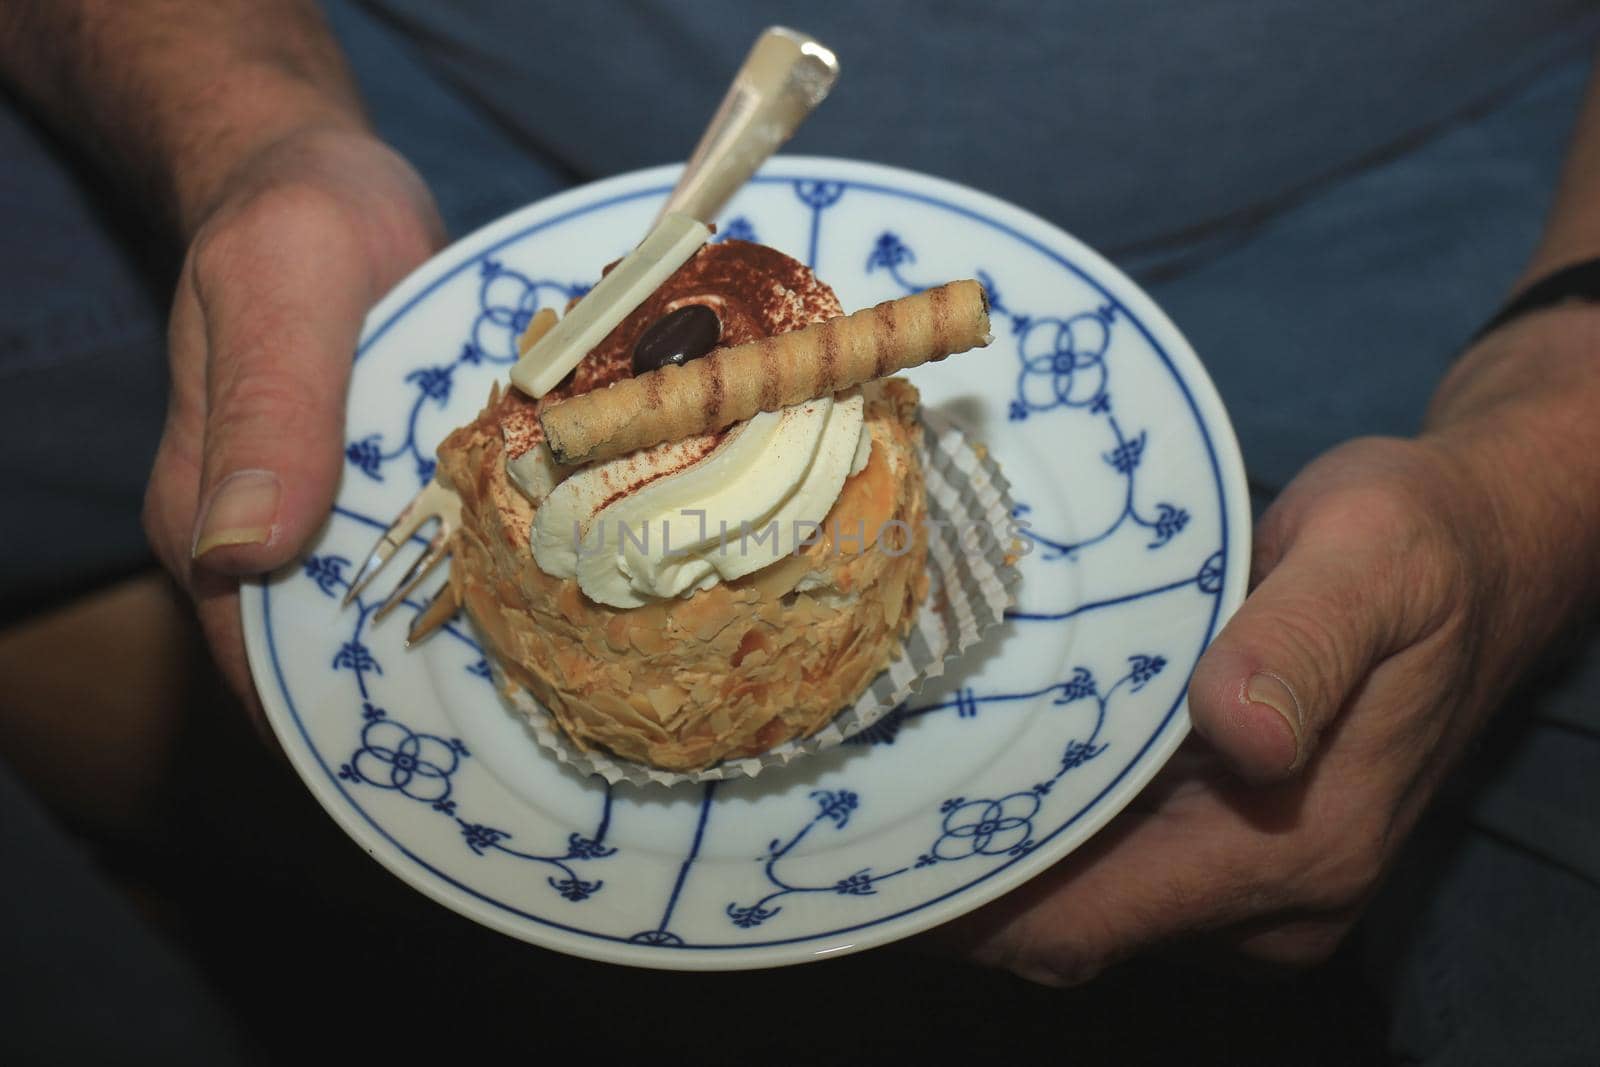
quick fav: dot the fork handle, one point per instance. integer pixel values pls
(785, 76)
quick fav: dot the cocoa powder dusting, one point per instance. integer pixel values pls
(691, 452)
(756, 291)
(518, 415)
(715, 367)
(769, 375)
(885, 328)
(940, 299)
(830, 352)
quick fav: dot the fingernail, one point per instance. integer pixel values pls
(1269, 689)
(242, 511)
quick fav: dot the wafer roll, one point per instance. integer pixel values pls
(734, 384)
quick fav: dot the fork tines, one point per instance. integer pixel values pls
(433, 502)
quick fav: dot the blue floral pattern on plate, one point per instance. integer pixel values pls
(1133, 510)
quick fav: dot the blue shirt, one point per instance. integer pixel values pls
(1133, 123)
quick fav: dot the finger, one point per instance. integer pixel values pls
(1293, 940)
(217, 606)
(282, 301)
(170, 496)
(1301, 644)
(174, 485)
(1144, 880)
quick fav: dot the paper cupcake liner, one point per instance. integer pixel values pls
(969, 590)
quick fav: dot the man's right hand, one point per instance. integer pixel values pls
(302, 238)
(237, 124)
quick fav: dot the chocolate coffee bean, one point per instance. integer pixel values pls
(688, 333)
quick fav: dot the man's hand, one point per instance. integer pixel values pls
(236, 124)
(302, 239)
(1399, 587)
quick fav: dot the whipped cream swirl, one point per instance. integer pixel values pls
(756, 497)
(680, 517)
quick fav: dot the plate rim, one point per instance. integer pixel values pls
(1046, 237)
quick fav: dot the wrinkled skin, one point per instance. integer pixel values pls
(1398, 587)
(304, 237)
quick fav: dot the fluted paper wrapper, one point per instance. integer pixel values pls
(969, 589)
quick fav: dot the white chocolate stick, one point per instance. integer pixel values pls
(669, 245)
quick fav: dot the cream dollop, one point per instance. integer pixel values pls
(631, 534)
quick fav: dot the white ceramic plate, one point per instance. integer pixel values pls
(1124, 467)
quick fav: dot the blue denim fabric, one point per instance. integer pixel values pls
(82, 374)
(1338, 316)
(1124, 121)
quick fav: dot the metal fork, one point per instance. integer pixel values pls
(783, 79)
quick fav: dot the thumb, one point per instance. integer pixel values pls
(282, 308)
(1296, 650)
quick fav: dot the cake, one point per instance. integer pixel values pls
(725, 649)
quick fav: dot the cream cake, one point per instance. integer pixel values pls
(701, 569)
